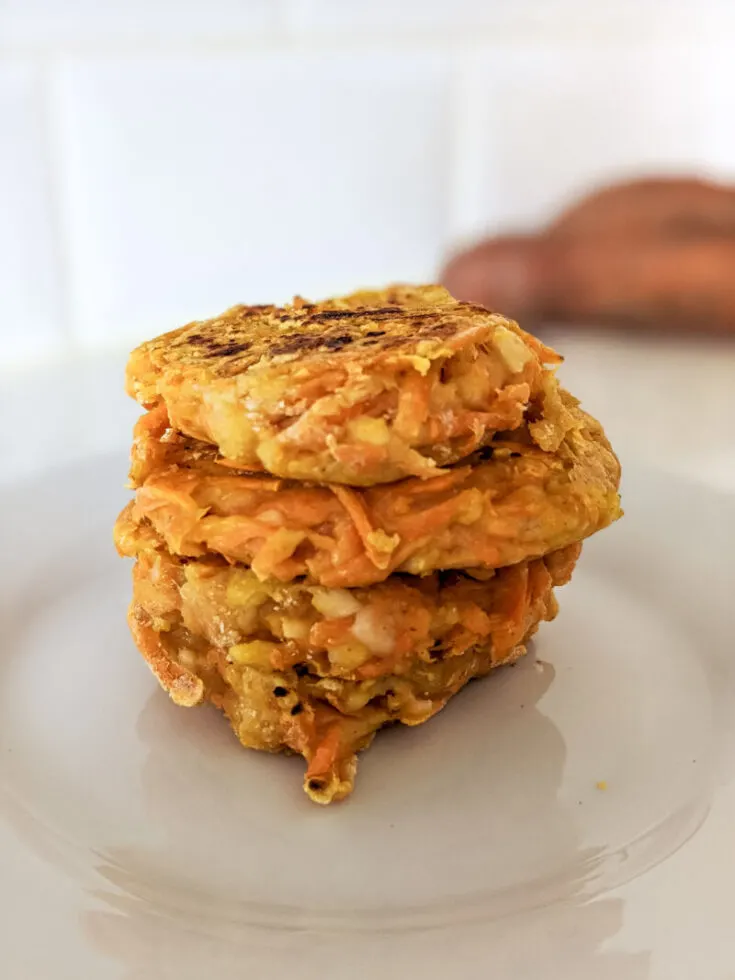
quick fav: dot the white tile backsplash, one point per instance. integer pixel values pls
(160, 159)
(194, 184)
(30, 301)
(538, 126)
(85, 22)
(718, 104)
(410, 15)
(549, 19)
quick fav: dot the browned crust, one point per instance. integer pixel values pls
(275, 708)
(363, 325)
(184, 687)
(347, 391)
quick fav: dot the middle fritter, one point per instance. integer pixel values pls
(509, 502)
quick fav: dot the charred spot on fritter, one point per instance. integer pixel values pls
(431, 325)
(323, 315)
(437, 650)
(381, 313)
(211, 346)
(404, 326)
(302, 343)
(336, 343)
(484, 454)
(241, 337)
(534, 410)
(229, 350)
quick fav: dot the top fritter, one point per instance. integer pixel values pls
(364, 389)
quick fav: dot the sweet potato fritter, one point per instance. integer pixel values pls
(318, 671)
(510, 502)
(356, 634)
(366, 389)
(345, 511)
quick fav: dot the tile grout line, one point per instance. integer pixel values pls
(59, 223)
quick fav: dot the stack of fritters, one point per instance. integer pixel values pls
(344, 511)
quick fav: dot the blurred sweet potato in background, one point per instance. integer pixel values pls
(656, 252)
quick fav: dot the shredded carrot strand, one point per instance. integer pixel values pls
(357, 513)
(325, 757)
(413, 404)
(437, 484)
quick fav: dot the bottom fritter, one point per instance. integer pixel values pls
(318, 671)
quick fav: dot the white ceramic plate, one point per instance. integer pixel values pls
(568, 818)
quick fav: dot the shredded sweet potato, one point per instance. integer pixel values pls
(520, 503)
(289, 664)
(279, 388)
